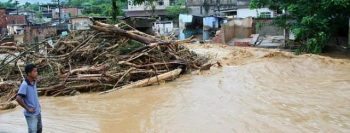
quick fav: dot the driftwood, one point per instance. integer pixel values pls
(169, 75)
(207, 66)
(8, 44)
(12, 48)
(7, 105)
(86, 69)
(105, 59)
(124, 33)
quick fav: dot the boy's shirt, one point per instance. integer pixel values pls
(30, 97)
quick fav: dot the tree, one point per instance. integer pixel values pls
(75, 3)
(313, 22)
(116, 9)
(29, 6)
(39, 14)
(8, 4)
(174, 10)
(150, 5)
(99, 7)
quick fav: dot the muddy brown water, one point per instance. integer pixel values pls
(255, 91)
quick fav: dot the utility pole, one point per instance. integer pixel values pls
(59, 10)
(218, 7)
(16, 3)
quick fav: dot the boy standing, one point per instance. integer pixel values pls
(27, 97)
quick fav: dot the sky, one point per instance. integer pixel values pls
(31, 1)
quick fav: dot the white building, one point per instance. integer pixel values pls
(163, 27)
(159, 5)
(80, 23)
(261, 12)
(211, 7)
(238, 8)
(145, 9)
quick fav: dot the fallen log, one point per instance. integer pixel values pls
(134, 35)
(174, 62)
(86, 69)
(7, 105)
(149, 81)
(8, 85)
(207, 66)
(96, 79)
(84, 86)
(8, 44)
(47, 90)
(151, 45)
(88, 75)
(115, 30)
(12, 48)
(9, 52)
(69, 42)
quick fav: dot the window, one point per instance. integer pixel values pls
(160, 2)
(265, 14)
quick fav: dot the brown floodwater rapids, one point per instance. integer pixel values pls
(257, 90)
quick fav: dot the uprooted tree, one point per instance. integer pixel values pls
(314, 22)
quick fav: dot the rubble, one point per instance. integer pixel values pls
(105, 59)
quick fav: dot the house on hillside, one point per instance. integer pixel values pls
(66, 13)
(144, 24)
(237, 8)
(141, 13)
(47, 9)
(211, 7)
(79, 23)
(16, 23)
(163, 27)
(243, 11)
(200, 27)
(30, 16)
(38, 33)
(143, 10)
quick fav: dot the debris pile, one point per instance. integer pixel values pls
(105, 59)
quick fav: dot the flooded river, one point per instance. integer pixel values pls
(255, 91)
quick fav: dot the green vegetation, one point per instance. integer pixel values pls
(99, 7)
(313, 22)
(8, 4)
(29, 6)
(177, 9)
